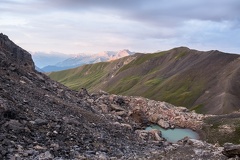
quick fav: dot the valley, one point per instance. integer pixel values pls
(207, 82)
(119, 80)
(43, 119)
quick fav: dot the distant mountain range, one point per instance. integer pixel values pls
(82, 59)
(208, 82)
(42, 59)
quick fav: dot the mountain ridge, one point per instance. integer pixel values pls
(180, 76)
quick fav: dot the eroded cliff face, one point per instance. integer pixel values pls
(42, 119)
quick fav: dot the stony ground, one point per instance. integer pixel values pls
(42, 119)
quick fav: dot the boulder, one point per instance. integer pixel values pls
(156, 134)
(230, 150)
(154, 118)
(163, 124)
(40, 121)
(45, 156)
(151, 135)
(116, 107)
(104, 108)
(15, 126)
(83, 93)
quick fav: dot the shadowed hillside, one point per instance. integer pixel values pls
(208, 82)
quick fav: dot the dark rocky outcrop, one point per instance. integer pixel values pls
(231, 150)
(42, 119)
(13, 56)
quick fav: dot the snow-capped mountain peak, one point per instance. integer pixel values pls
(82, 59)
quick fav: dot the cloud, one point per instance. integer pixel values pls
(167, 11)
(74, 26)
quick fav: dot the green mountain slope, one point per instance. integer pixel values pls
(208, 82)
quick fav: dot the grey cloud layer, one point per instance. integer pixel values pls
(168, 11)
(215, 10)
(123, 23)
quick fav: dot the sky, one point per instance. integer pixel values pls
(91, 26)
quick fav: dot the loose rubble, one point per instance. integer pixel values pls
(42, 119)
(146, 111)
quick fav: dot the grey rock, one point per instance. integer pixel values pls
(14, 125)
(45, 156)
(231, 150)
(40, 122)
(116, 107)
(83, 93)
(163, 124)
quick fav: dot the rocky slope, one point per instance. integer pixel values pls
(42, 119)
(208, 82)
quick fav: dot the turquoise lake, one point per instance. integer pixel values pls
(173, 135)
